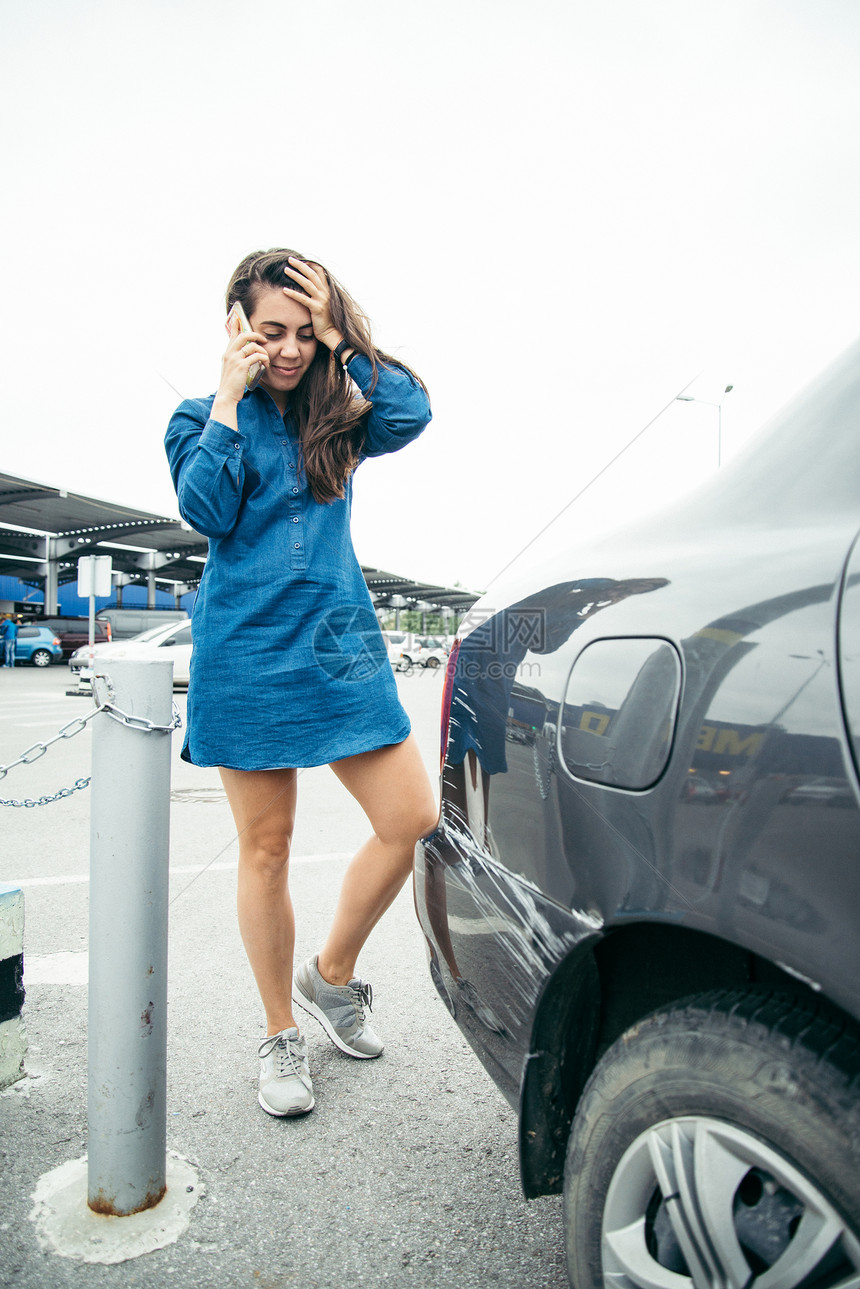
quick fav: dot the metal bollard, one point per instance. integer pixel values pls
(127, 1091)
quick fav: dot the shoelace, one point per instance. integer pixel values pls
(362, 996)
(286, 1060)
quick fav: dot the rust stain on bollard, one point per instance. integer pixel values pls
(107, 1208)
(144, 1110)
(146, 1019)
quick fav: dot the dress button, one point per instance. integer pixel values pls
(295, 519)
(237, 445)
(284, 441)
(292, 467)
(295, 489)
(298, 546)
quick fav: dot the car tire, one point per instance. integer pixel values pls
(725, 1128)
(432, 663)
(41, 658)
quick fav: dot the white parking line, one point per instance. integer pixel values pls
(40, 725)
(60, 714)
(35, 700)
(21, 700)
(56, 968)
(176, 869)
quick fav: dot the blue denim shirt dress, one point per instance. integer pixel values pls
(289, 668)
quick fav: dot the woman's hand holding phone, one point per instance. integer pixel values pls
(244, 359)
(242, 366)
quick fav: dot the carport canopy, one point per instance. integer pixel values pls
(45, 530)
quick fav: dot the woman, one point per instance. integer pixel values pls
(289, 667)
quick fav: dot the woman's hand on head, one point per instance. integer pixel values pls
(243, 350)
(317, 301)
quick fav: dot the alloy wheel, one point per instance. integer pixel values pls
(698, 1202)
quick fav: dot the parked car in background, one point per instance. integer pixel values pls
(403, 649)
(434, 651)
(172, 639)
(75, 631)
(670, 994)
(38, 645)
(125, 624)
(406, 649)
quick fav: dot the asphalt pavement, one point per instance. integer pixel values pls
(405, 1173)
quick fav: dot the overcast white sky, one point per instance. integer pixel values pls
(560, 213)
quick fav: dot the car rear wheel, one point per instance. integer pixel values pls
(41, 658)
(432, 663)
(718, 1143)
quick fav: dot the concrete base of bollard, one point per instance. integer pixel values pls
(66, 1226)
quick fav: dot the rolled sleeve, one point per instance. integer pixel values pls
(206, 464)
(400, 408)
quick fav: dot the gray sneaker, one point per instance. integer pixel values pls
(339, 1009)
(285, 1080)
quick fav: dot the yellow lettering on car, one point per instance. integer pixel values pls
(730, 742)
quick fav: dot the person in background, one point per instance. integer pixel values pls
(9, 636)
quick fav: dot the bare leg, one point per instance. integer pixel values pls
(392, 787)
(264, 808)
(435, 889)
(436, 899)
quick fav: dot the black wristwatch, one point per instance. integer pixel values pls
(338, 349)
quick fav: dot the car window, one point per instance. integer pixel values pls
(149, 634)
(619, 712)
(181, 636)
(27, 632)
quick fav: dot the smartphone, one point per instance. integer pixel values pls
(255, 371)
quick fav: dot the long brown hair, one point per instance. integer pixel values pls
(329, 418)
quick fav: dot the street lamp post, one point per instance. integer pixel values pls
(688, 398)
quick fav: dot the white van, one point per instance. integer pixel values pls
(125, 623)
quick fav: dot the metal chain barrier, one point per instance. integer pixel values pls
(38, 750)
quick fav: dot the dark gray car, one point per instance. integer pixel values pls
(642, 898)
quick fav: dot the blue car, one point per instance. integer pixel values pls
(38, 645)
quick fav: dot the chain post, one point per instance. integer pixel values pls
(127, 1109)
(37, 750)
